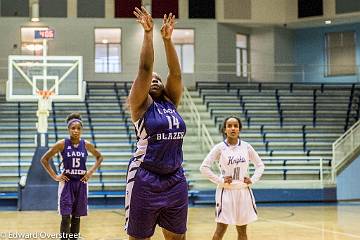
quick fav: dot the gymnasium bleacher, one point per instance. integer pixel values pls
(106, 124)
(292, 126)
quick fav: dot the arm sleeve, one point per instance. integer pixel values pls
(258, 163)
(206, 165)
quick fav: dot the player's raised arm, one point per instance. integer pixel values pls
(174, 85)
(139, 99)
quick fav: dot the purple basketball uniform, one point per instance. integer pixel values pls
(156, 190)
(73, 193)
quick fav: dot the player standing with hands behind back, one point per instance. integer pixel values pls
(156, 190)
(235, 202)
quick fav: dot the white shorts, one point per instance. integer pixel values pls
(235, 206)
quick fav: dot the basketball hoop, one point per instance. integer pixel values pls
(44, 105)
(40, 78)
(45, 94)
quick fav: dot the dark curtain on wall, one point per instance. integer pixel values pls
(310, 8)
(347, 6)
(125, 8)
(93, 9)
(14, 8)
(202, 9)
(51, 8)
(161, 7)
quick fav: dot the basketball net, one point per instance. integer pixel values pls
(44, 105)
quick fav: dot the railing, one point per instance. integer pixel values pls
(19, 138)
(122, 109)
(206, 139)
(321, 165)
(202, 132)
(88, 113)
(345, 146)
(53, 109)
(314, 107)
(348, 112)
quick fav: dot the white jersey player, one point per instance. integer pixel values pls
(235, 203)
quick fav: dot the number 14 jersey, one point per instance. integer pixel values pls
(160, 134)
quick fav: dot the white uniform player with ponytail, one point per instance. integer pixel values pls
(235, 202)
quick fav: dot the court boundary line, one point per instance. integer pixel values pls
(310, 227)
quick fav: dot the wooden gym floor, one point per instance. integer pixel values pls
(277, 222)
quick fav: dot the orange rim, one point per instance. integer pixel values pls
(45, 93)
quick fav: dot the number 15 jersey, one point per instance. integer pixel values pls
(74, 159)
(160, 134)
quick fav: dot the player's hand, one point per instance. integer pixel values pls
(144, 18)
(86, 177)
(228, 179)
(61, 178)
(247, 180)
(168, 26)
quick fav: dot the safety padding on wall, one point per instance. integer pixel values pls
(40, 190)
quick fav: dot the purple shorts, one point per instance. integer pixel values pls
(155, 199)
(73, 198)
